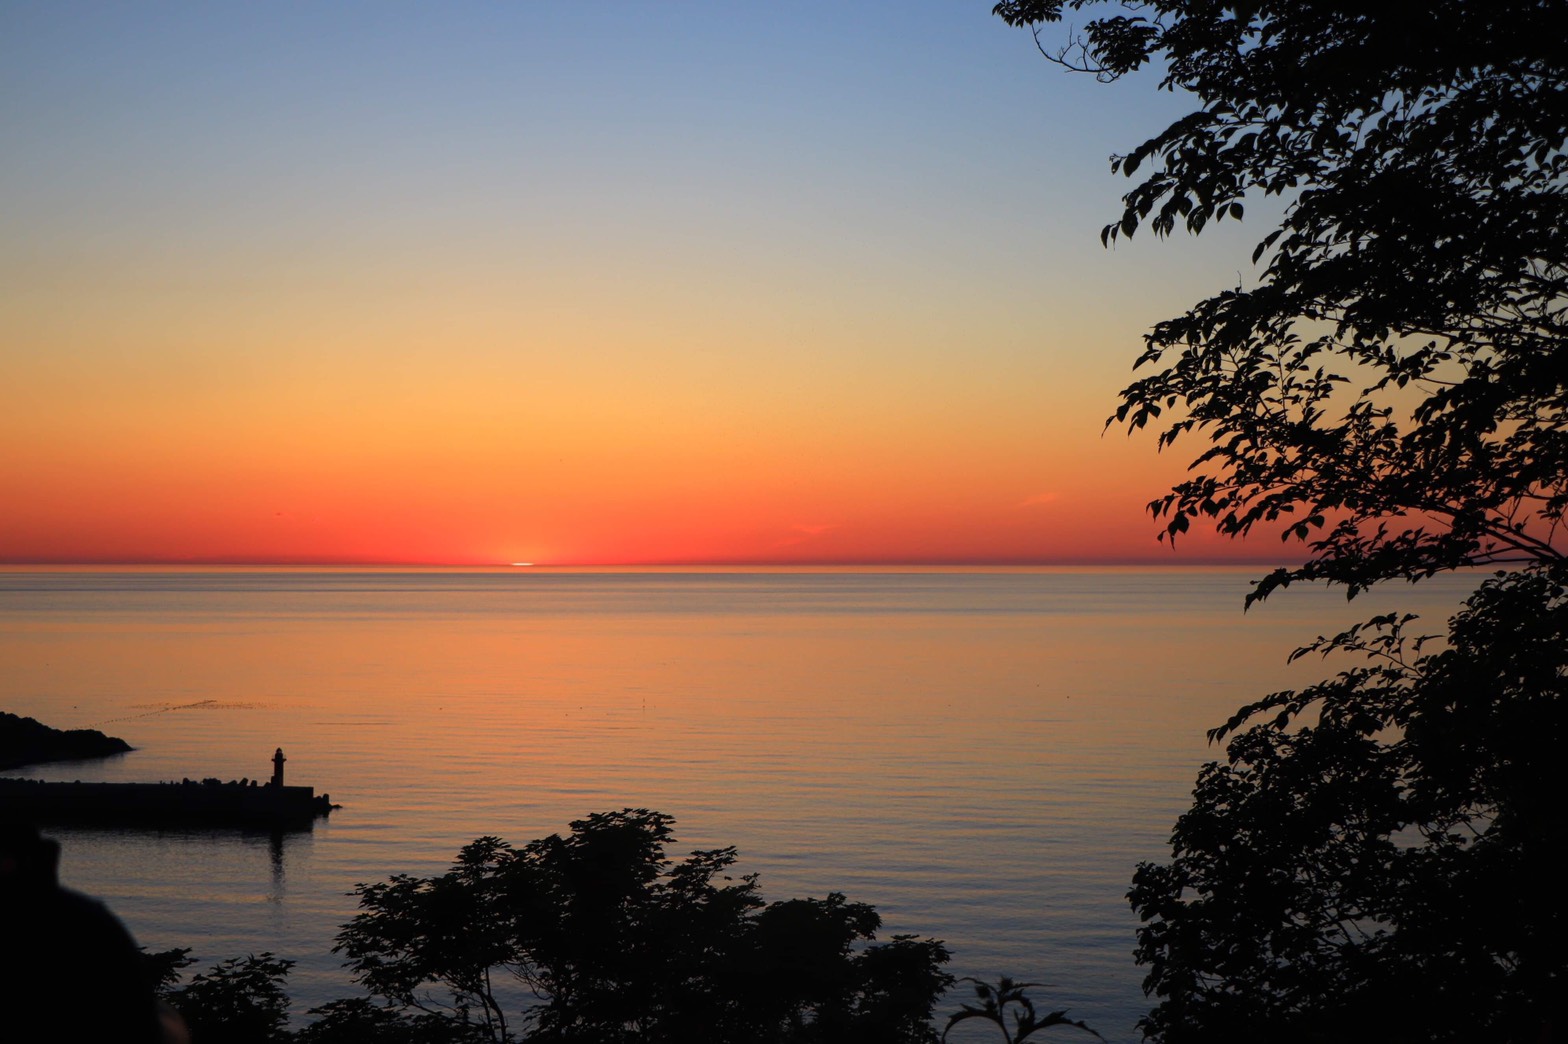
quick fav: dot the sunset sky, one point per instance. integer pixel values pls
(624, 283)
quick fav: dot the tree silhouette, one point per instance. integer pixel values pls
(1005, 998)
(359, 1020)
(1389, 870)
(1373, 859)
(238, 1000)
(1391, 391)
(619, 943)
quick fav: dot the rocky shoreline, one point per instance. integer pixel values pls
(27, 741)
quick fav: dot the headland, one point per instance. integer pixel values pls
(28, 741)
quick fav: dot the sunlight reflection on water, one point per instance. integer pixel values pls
(984, 757)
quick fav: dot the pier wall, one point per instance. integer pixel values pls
(184, 803)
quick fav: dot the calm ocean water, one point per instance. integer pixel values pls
(982, 756)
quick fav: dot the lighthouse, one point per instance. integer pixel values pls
(277, 767)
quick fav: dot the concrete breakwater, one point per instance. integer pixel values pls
(208, 802)
(187, 803)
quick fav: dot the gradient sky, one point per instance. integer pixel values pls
(571, 284)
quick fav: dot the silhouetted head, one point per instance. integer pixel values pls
(25, 857)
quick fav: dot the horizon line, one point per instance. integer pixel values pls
(726, 563)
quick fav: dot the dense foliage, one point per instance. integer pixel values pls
(597, 936)
(620, 943)
(1372, 861)
(240, 1000)
(1389, 870)
(1393, 387)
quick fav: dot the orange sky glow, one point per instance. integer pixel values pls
(485, 286)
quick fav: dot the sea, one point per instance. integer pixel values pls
(984, 756)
